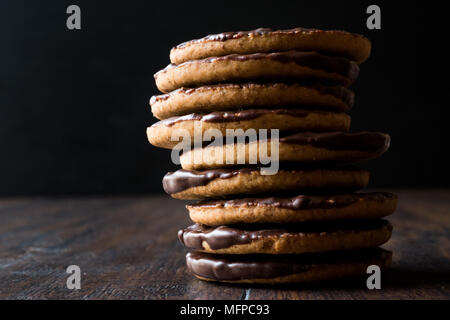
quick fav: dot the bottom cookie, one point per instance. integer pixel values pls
(302, 268)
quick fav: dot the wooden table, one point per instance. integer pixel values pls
(127, 248)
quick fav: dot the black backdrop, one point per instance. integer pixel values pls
(74, 104)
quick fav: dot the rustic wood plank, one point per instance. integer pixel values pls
(127, 249)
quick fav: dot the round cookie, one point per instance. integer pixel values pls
(334, 42)
(294, 209)
(289, 65)
(306, 147)
(224, 97)
(268, 269)
(286, 120)
(305, 238)
(220, 183)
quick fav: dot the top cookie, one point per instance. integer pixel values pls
(340, 43)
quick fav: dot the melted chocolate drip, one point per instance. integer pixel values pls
(180, 180)
(311, 59)
(230, 116)
(361, 141)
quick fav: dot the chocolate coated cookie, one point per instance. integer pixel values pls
(310, 67)
(167, 133)
(295, 209)
(340, 43)
(304, 147)
(286, 239)
(271, 269)
(225, 97)
(221, 183)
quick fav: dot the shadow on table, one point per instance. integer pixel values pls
(404, 278)
(393, 279)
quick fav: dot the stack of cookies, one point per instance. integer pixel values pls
(303, 221)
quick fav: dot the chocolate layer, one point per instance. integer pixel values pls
(234, 116)
(224, 36)
(361, 141)
(233, 268)
(225, 236)
(346, 95)
(180, 180)
(174, 182)
(310, 59)
(301, 202)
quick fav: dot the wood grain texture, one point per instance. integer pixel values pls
(127, 248)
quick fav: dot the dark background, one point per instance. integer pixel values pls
(74, 104)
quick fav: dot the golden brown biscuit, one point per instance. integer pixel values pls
(286, 120)
(295, 209)
(306, 147)
(301, 268)
(289, 65)
(340, 43)
(288, 239)
(219, 183)
(225, 97)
